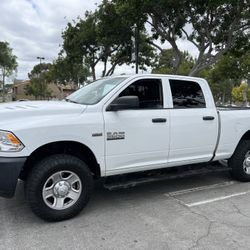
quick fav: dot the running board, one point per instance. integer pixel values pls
(135, 179)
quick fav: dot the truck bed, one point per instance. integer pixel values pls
(224, 108)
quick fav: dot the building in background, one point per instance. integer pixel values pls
(58, 92)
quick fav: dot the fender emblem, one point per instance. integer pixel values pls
(115, 136)
(96, 134)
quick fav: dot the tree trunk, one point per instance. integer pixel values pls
(223, 98)
(3, 94)
(194, 70)
(178, 56)
(136, 49)
(105, 67)
(245, 98)
(93, 72)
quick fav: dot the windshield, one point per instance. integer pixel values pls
(94, 92)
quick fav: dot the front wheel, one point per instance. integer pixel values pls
(59, 187)
(240, 161)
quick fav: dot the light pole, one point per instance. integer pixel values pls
(40, 58)
(135, 41)
(137, 48)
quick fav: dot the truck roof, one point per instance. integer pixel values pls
(159, 75)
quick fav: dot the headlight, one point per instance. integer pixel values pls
(9, 142)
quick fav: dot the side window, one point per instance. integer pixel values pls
(187, 94)
(149, 92)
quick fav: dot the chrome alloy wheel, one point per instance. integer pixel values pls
(246, 163)
(62, 190)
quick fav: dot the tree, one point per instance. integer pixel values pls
(166, 63)
(80, 42)
(166, 18)
(214, 27)
(63, 71)
(217, 27)
(228, 72)
(241, 93)
(103, 36)
(39, 78)
(37, 89)
(8, 63)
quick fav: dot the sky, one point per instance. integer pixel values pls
(33, 28)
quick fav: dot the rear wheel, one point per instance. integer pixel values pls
(240, 161)
(59, 187)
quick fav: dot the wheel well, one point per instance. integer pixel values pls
(246, 136)
(63, 147)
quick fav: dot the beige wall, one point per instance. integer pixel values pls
(56, 91)
(19, 92)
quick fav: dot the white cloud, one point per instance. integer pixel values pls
(33, 28)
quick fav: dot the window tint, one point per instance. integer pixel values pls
(149, 92)
(187, 94)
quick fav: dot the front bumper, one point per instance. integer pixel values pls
(10, 169)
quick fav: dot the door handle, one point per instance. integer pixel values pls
(159, 120)
(208, 118)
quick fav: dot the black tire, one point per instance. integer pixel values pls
(237, 160)
(40, 174)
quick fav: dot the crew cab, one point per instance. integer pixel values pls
(114, 126)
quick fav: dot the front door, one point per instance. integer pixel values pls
(138, 139)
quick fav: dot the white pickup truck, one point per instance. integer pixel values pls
(114, 126)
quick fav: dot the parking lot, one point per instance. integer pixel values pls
(198, 212)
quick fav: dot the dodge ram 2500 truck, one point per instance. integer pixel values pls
(114, 126)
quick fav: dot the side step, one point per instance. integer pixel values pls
(135, 179)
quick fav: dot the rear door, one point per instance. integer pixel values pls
(194, 122)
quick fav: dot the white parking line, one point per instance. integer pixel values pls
(215, 199)
(190, 190)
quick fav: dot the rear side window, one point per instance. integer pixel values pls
(187, 94)
(149, 92)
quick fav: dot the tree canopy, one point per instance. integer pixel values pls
(228, 73)
(165, 63)
(104, 36)
(39, 79)
(212, 27)
(65, 70)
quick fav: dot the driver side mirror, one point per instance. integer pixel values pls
(124, 102)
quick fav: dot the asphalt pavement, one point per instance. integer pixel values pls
(198, 212)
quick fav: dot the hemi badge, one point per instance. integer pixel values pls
(97, 134)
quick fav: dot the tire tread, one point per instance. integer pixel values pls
(236, 161)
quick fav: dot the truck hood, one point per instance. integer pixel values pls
(25, 111)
